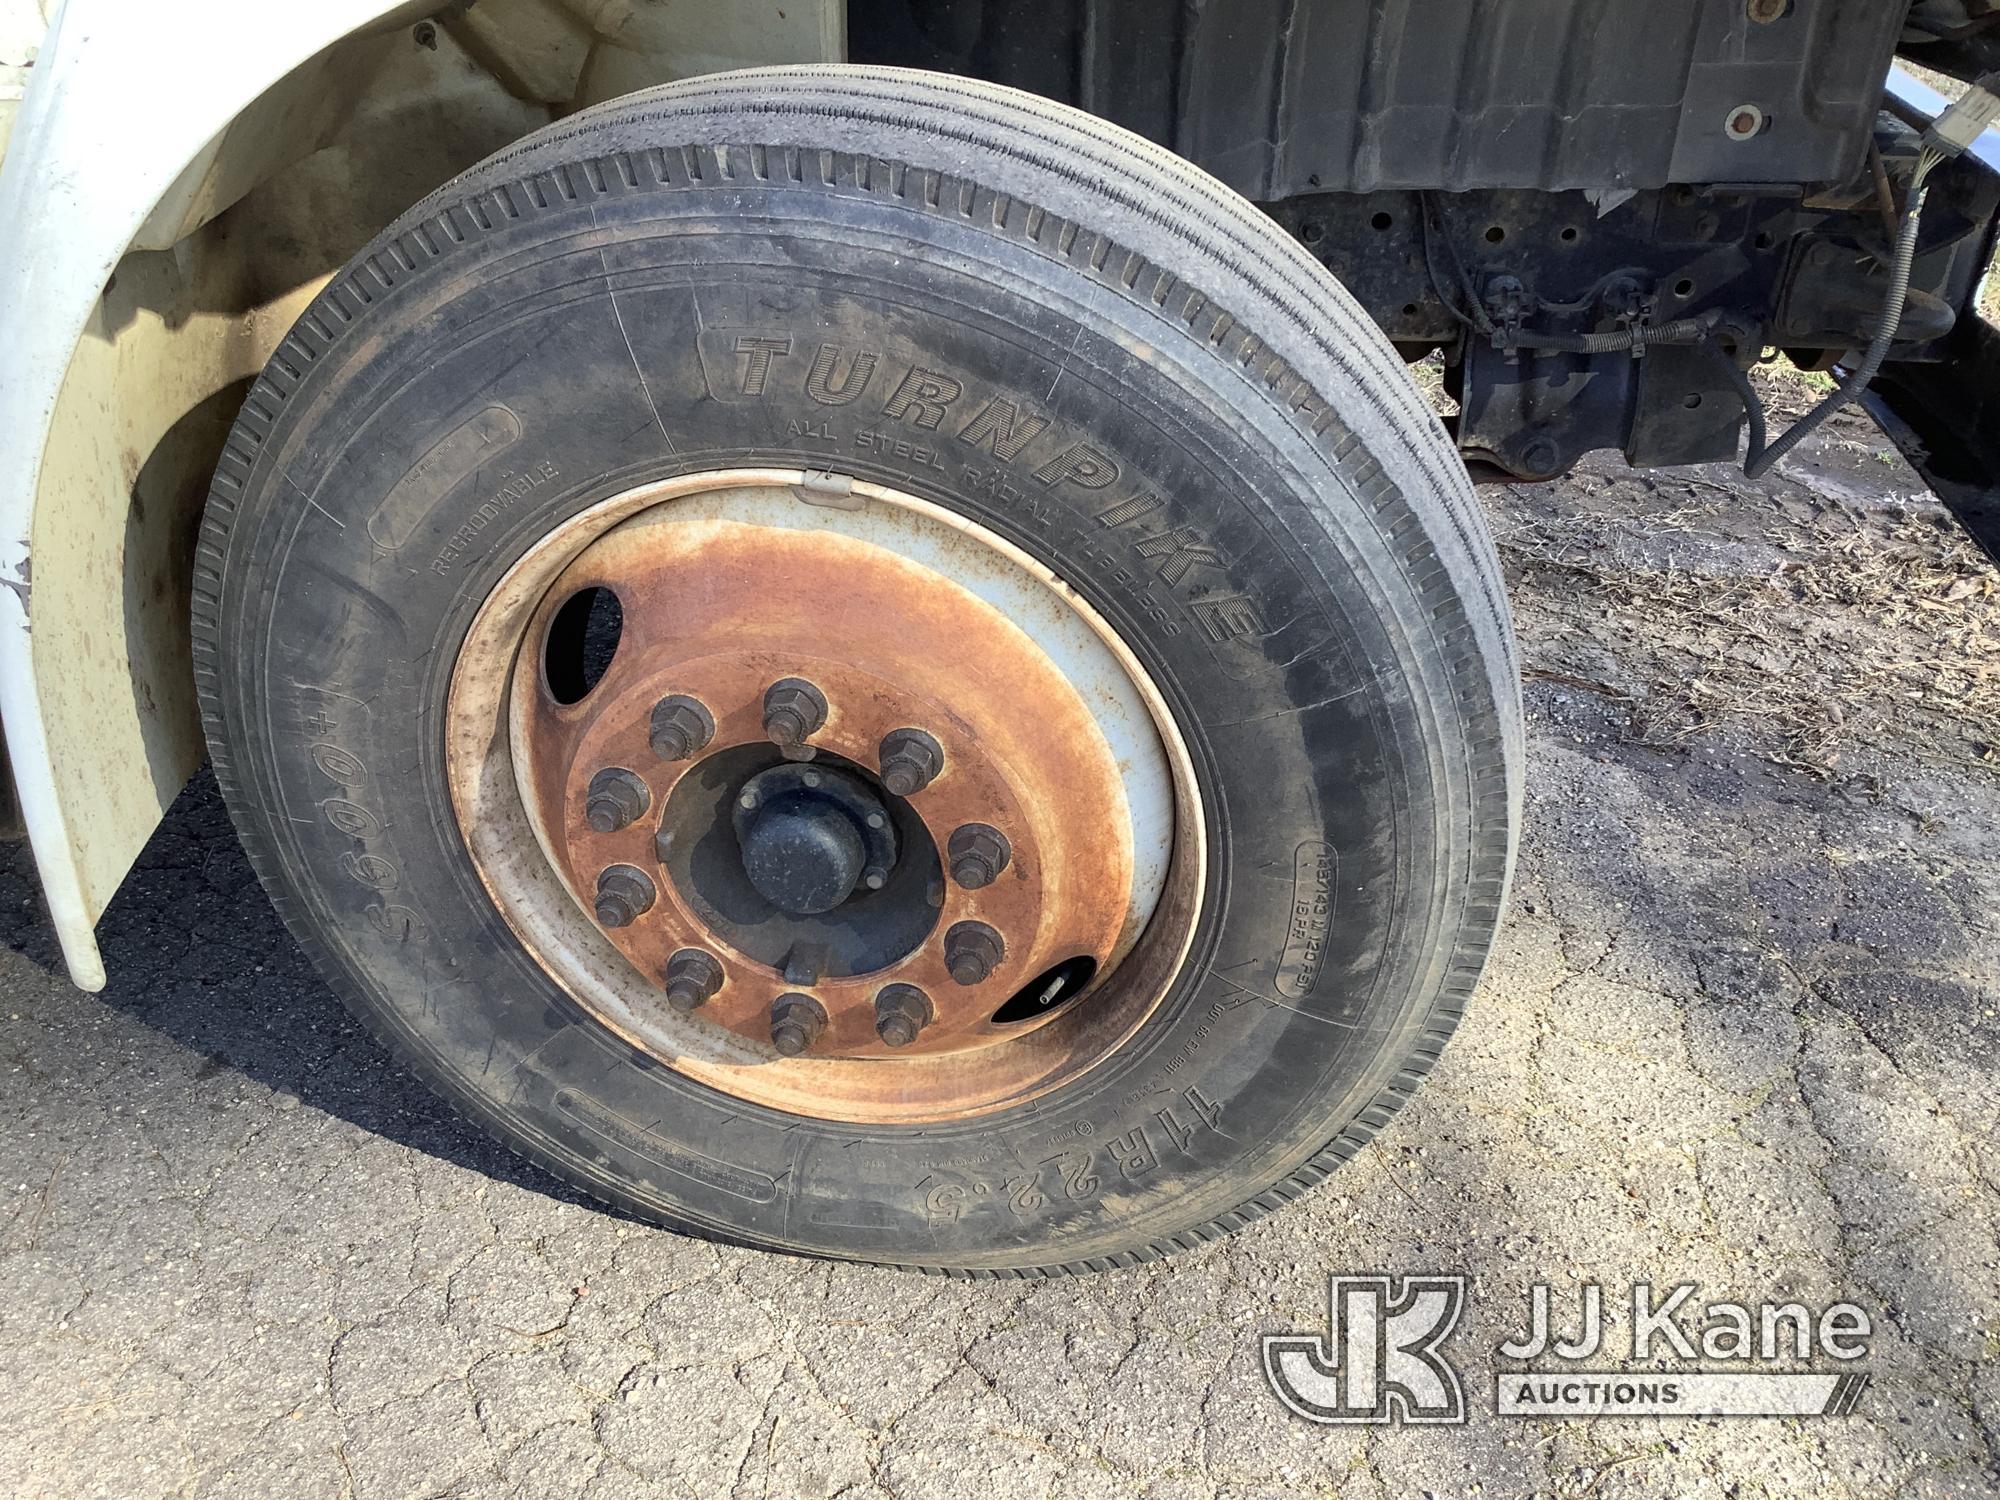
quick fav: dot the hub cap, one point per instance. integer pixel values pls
(866, 816)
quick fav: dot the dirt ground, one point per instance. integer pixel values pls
(1740, 1029)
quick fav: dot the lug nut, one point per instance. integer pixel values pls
(796, 1022)
(623, 896)
(693, 977)
(681, 727)
(911, 761)
(1764, 12)
(978, 853)
(794, 710)
(615, 800)
(972, 951)
(901, 1011)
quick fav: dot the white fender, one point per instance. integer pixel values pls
(124, 96)
(122, 143)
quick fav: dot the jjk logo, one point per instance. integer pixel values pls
(1380, 1360)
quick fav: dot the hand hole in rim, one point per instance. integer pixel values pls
(582, 639)
(1048, 990)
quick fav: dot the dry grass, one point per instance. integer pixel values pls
(1868, 627)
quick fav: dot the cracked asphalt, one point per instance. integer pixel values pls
(1740, 1029)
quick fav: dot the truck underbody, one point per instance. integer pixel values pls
(1488, 176)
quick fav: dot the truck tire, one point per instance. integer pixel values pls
(868, 665)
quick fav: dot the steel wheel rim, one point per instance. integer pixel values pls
(520, 820)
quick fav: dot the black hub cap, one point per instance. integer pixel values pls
(810, 837)
(811, 867)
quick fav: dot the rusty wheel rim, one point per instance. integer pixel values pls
(820, 681)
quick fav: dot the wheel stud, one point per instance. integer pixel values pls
(972, 951)
(911, 761)
(623, 896)
(796, 1022)
(681, 727)
(693, 977)
(794, 711)
(978, 853)
(615, 800)
(901, 1011)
